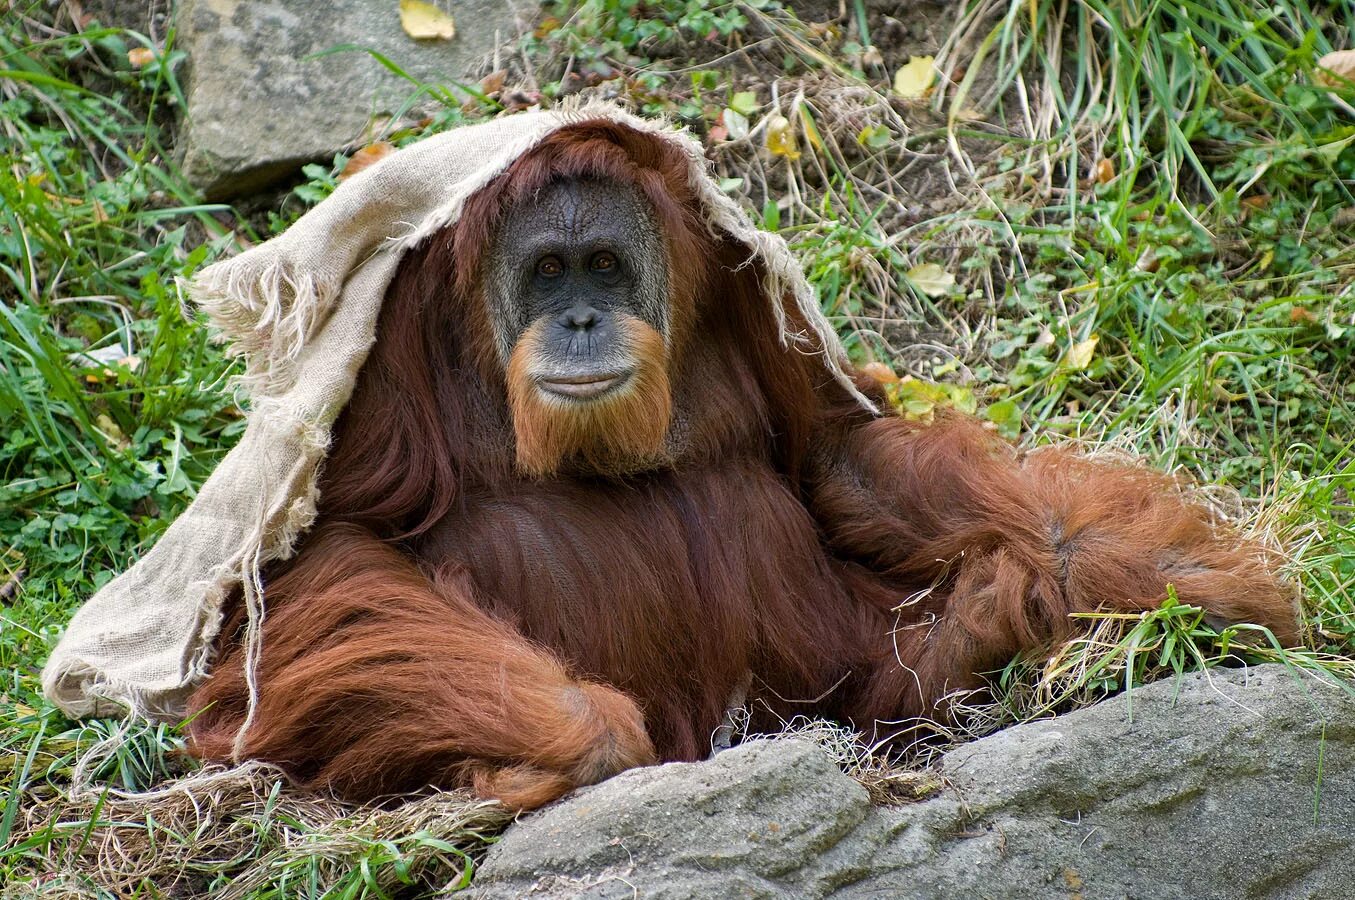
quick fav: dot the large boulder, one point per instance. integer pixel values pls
(1238, 784)
(259, 105)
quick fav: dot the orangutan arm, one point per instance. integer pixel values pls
(373, 680)
(1017, 543)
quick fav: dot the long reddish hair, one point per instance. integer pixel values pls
(452, 621)
(434, 333)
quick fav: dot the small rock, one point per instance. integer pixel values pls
(259, 108)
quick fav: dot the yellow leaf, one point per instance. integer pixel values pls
(931, 279)
(1079, 356)
(811, 130)
(914, 78)
(140, 56)
(424, 21)
(781, 138)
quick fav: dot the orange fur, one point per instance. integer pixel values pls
(620, 433)
(524, 621)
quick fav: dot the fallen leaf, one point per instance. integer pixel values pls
(931, 279)
(875, 137)
(811, 130)
(735, 123)
(493, 82)
(366, 158)
(140, 56)
(1336, 68)
(424, 21)
(1105, 171)
(781, 138)
(1079, 356)
(914, 78)
(744, 102)
(1300, 316)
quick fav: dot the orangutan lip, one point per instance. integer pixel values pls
(582, 387)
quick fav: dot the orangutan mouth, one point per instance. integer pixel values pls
(583, 387)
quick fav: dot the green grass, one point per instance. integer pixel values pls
(1194, 305)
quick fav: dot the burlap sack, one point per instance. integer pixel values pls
(302, 309)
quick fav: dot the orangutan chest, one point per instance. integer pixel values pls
(671, 571)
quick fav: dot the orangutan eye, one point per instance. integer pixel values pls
(603, 262)
(550, 267)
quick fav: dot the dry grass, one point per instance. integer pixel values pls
(241, 833)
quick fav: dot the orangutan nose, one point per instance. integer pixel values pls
(579, 318)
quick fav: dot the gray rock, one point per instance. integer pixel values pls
(258, 108)
(1236, 785)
